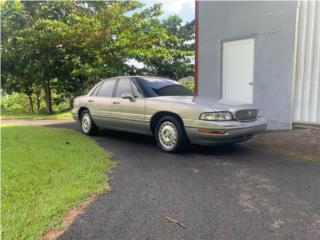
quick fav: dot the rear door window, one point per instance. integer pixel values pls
(124, 86)
(106, 89)
(96, 89)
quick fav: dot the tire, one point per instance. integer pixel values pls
(87, 125)
(170, 135)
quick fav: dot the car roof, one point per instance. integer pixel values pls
(138, 76)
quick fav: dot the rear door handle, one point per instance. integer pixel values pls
(116, 102)
(90, 100)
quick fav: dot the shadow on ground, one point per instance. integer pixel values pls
(126, 137)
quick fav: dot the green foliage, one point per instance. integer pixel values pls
(180, 64)
(14, 102)
(187, 82)
(64, 47)
(45, 176)
(18, 103)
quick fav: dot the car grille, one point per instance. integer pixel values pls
(246, 115)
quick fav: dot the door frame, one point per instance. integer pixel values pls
(141, 125)
(242, 37)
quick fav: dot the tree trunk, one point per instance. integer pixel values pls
(47, 91)
(31, 103)
(71, 103)
(38, 100)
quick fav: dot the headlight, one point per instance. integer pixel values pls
(216, 116)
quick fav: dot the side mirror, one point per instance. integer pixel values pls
(127, 96)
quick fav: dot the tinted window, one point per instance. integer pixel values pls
(124, 86)
(107, 88)
(153, 87)
(96, 89)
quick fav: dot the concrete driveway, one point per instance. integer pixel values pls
(236, 192)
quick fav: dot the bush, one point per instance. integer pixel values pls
(19, 103)
(187, 82)
(14, 102)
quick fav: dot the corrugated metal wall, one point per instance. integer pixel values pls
(307, 73)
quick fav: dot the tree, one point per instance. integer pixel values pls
(14, 61)
(65, 46)
(181, 63)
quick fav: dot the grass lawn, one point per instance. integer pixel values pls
(40, 116)
(45, 172)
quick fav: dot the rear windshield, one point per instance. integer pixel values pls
(155, 87)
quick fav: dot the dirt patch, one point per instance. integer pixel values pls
(301, 143)
(68, 220)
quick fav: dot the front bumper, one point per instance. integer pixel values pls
(229, 131)
(75, 114)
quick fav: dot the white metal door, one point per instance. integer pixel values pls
(237, 70)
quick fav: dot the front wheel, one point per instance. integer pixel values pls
(87, 125)
(170, 135)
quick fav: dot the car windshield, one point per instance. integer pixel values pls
(155, 87)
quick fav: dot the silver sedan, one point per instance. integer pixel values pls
(166, 110)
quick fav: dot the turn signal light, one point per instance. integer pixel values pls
(209, 131)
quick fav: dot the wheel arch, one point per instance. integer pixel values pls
(81, 109)
(158, 115)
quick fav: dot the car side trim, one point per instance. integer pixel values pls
(122, 118)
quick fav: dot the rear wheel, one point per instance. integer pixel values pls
(87, 125)
(170, 135)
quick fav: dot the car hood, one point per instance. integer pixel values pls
(210, 103)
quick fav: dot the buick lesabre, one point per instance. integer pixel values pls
(166, 110)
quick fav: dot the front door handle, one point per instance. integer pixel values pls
(90, 100)
(116, 102)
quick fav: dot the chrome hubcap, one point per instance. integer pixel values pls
(86, 123)
(168, 135)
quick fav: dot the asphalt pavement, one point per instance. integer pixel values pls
(234, 192)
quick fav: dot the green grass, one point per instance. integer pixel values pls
(39, 116)
(45, 172)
